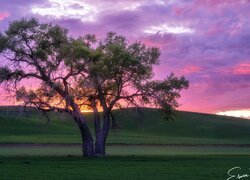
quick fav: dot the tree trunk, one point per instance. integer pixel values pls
(87, 140)
(100, 143)
(102, 135)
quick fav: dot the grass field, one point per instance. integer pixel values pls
(194, 146)
(152, 167)
(120, 150)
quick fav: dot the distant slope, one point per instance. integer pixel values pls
(188, 128)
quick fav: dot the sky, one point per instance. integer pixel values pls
(207, 41)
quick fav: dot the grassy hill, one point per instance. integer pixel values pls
(188, 128)
(40, 161)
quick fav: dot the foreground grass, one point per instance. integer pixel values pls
(151, 167)
(120, 150)
(55, 161)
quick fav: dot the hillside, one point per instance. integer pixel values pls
(188, 128)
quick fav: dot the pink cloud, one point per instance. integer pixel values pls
(159, 41)
(178, 11)
(214, 30)
(190, 69)
(213, 3)
(241, 69)
(4, 15)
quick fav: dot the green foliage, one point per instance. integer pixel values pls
(21, 26)
(74, 53)
(3, 42)
(132, 60)
(5, 73)
(29, 42)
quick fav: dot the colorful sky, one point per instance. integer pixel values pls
(208, 41)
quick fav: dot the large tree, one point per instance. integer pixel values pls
(76, 73)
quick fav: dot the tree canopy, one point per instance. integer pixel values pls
(83, 72)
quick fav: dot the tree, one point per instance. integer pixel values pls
(84, 72)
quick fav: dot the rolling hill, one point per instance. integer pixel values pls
(188, 128)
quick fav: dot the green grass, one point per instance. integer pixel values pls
(145, 161)
(120, 150)
(152, 167)
(188, 128)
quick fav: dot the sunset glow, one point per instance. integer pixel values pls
(236, 113)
